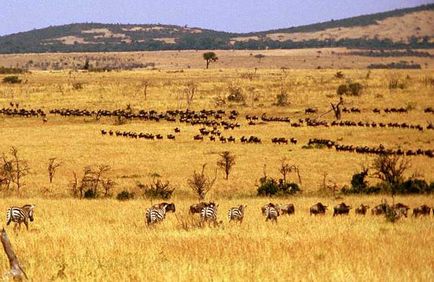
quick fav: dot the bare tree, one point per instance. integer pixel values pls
(20, 168)
(200, 183)
(287, 168)
(190, 91)
(336, 108)
(52, 166)
(226, 162)
(91, 181)
(391, 169)
(145, 84)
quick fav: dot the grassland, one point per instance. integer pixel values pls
(108, 240)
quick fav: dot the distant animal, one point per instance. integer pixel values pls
(401, 209)
(271, 212)
(209, 213)
(341, 209)
(318, 208)
(197, 208)
(362, 209)
(423, 210)
(20, 215)
(380, 209)
(287, 209)
(157, 213)
(236, 213)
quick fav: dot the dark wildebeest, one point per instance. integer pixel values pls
(362, 209)
(422, 210)
(401, 209)
(318, 208)
(197, 208)
(380, 209)
(342, 208)
(287, 209)
(168, 206)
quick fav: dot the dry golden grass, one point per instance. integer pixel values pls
(108, 240)
(326, 58)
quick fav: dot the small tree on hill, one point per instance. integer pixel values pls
(209, 57)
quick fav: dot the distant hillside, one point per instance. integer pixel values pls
(398, 29)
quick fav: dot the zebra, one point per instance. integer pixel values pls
(237, 213)
(157, 213)
(20, 215)
(209, 213)
(271, 212)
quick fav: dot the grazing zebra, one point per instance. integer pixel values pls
(209, 213)
(237, 213)
(271, 213)
(20, 215)
(157, 213)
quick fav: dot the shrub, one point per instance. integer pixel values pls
(157, 189)
(355, 89)
(342, 89)
(89, 194)
(415, 186)
(12, 79)
(236, 94)
(282, 99)
(271, 187)
(125, 195)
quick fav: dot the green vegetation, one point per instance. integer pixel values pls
(125, 37)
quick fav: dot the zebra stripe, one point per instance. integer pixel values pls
(271, 213)
(236, 213)
(209, 213)
(20, 215)
(154, 215)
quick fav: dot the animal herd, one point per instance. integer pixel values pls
(378, 150)
(208, 211)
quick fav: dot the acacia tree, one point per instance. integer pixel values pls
(226, 162)
(201, 183)
(209, 57)
(390, 169)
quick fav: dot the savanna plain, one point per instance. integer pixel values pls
(106, 239)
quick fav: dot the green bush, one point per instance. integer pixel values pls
(359, 185)
(125, 195)
(271, 187)
(12, 79)
(415, 186)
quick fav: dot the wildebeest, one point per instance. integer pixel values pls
(362, 209)
(318, 208)
(401, 209)
(197, 208)
(423, 210)
(287, 209)
(380, 209)
(342, 208)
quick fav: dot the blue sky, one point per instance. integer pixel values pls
(224, 15)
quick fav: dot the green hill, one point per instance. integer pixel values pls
(399, 29)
